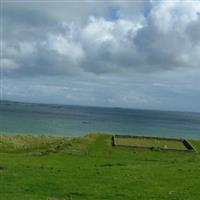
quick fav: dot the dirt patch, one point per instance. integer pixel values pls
(69, 196)
(2, 168)
(65, 198)
(111, 165)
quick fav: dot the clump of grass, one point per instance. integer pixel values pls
(29, 143)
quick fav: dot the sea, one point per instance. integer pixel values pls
(39, 119)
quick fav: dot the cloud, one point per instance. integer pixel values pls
(169, 91)
(56, 43)
(8, 64)
(193, 30)
(133, 53)
(163, 41)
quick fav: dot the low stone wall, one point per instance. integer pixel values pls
(187, 144)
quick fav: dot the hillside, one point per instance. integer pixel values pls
(88, 168)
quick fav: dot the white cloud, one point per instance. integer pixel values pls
(65, 47)
(112, 45)
(158, 42)
(174, 15)
(7, 64)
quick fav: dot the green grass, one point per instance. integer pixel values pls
(89, 168)
(171, 144)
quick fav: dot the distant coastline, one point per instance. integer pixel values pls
(71, 120)
(9, 102)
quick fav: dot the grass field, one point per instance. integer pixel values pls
(166, 144)
(89, 168)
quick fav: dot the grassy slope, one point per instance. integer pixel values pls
(89, 168)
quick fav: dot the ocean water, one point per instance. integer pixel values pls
(22, 118)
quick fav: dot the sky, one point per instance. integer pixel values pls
(131, 54)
